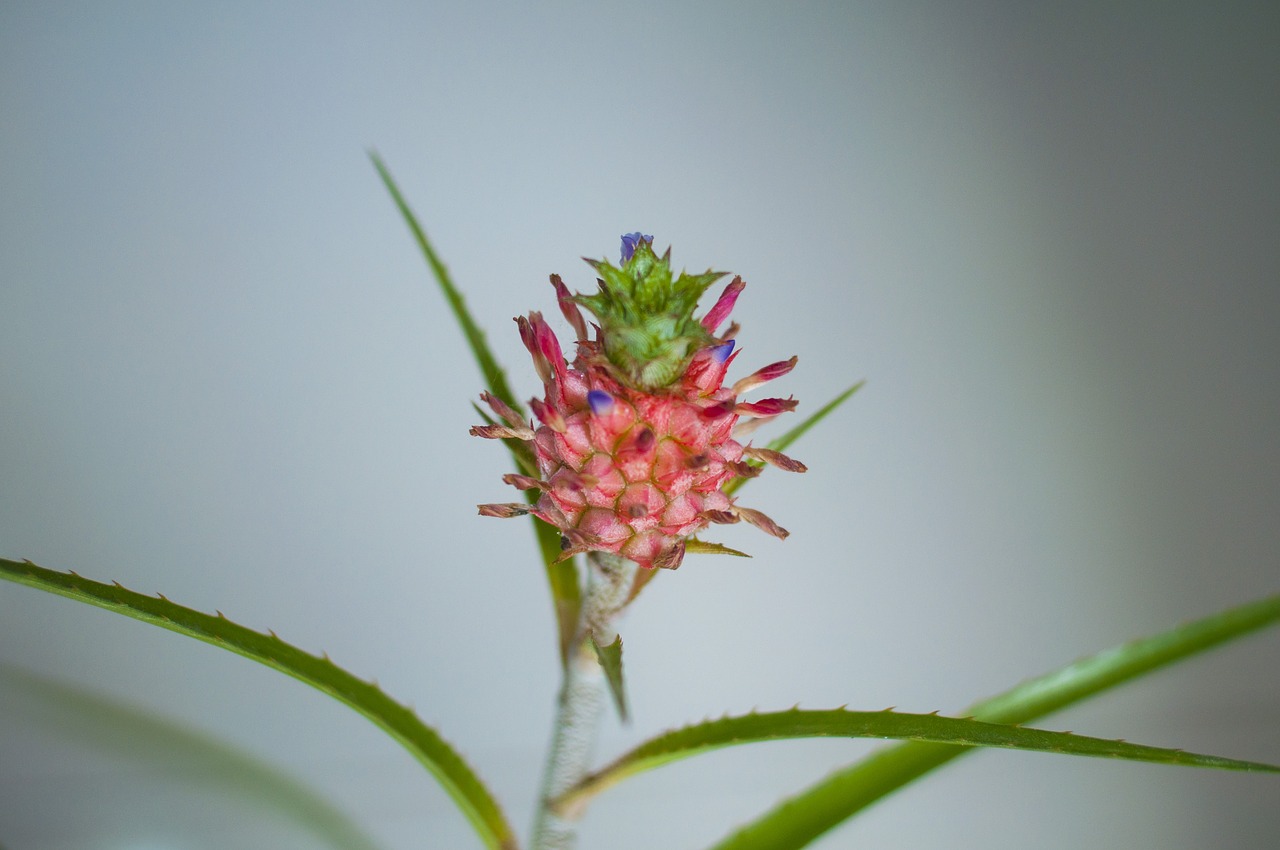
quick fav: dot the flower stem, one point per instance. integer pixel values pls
(581, 701)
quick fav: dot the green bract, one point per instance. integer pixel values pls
(646, 317)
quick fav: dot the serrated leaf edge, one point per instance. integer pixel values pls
(933, 727)
(366, 697)
(801, 818)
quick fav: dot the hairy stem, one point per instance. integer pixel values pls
(581, 700)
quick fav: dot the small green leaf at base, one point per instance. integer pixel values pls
(610, 658)
(797, 723)
(400, 722)
(704, 547)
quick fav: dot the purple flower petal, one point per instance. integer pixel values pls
(629, 242)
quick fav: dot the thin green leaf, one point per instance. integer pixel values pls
(566, 586)
(423, 742)
(495, 378)
(562, 576)
(149, 741)
(782, 442)
(797, 821)
(796, 723)
(610, 658)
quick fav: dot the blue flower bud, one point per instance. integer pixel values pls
(629, 242)
(601, 402)
(721, 352)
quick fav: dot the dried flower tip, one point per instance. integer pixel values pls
(524, 482)
(765, 407)
(548, 415)
(768, 373)
(762, 522)
(540, 364)
(718, 411)
(506, 510)
(744, 470)
(543, 346)
(720, 517)
(777, 459)
(502, 432)
(569, 308)
(723, 306)
(504, 411)
(671, 557)
(573, 481)
(574, 542)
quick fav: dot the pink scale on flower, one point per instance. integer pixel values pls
(641, 504)
(608, 482)
(680, 512)
(604, 524)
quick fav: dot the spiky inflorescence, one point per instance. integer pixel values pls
(636, 440)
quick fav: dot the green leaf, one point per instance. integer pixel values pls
(610, 658)
(782, 442)
(147, 740)
(796, 723)
(562, 576)
(565, 584)
(797, 821)
(495, 378)
(423, 742)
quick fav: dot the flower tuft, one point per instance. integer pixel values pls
(636, 438)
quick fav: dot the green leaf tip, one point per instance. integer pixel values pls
(610, 658)
(562, 576)
(494, 376)
(424, 743)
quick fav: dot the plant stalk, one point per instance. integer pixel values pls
(582, 697)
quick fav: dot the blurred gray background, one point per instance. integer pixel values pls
(1047, 237)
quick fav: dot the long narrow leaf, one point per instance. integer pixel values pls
(796, 723)
(423, 742)
(494, 377)
(782, 442)
(796, 822)
(143, 738)
(562, 576)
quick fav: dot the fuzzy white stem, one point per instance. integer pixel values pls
(581, 700)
